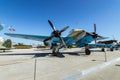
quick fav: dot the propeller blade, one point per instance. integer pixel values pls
(47, 38)
(51, 25)
(101, 36)
(95, 32)
(62, 30)
(89, 33)
(63, 41)
(95, 28)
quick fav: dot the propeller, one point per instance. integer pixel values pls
(56, 33)
(95, 35)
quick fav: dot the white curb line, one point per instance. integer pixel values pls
(84, 72)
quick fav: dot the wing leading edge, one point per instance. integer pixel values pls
(26, 36)
(34, 37)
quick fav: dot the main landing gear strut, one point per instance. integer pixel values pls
(55, 49)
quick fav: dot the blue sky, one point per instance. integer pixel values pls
(31, 16)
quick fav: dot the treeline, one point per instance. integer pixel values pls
(22, 46)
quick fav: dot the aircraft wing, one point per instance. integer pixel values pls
(98, 36)
(101, 38)
(101, 45)
(68, 40)
(25, 36)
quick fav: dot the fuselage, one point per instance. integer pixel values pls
(76, 36)
(55, 40)
(80, 37)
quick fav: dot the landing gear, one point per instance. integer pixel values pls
(87, 50)
(103, 49)
(54, 49)
(111, 49)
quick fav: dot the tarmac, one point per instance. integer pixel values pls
(38, 64)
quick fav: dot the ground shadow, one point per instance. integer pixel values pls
(44, 54)
(96, 51)
(60, 54)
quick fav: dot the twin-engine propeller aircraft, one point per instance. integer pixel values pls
(80, 38)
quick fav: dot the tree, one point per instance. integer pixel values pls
(7, 43)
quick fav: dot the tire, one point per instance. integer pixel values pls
(103, 49)
(87, 52)
(111, 49)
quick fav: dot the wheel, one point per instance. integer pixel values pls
(87, 52)
(3, 50)
(111, 49)
(103, 49)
